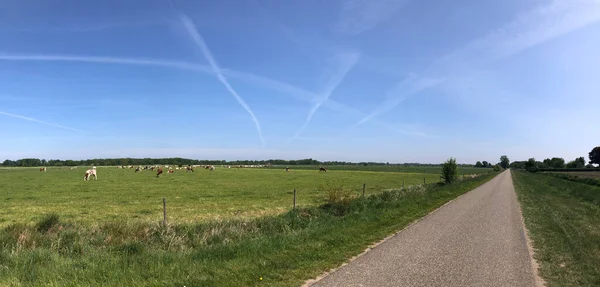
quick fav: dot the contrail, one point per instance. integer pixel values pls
(191, 29)
(530, 29)
(39, 122)
(347, 63)
(285, 88)
(107, 60)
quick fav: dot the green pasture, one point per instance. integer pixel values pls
(118, 194)
(386, 168)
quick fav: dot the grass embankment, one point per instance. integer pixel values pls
(563, 221)
(285, 250)
(26, 193)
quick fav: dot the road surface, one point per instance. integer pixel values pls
(476, 240)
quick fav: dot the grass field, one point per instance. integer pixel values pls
(278, 250)
(388, 168)
(583, 174)
(28, 194)
(562, 217)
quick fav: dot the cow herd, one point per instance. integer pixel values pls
(159, 169)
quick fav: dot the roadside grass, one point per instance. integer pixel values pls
(26, 194)
(563, 221)
(283, 250)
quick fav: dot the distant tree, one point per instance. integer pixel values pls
(595, 155)
(497, 167)
(450, 170)
(577, 163)
(504, 162)
(531, 165)
(557, 162)
(517, 164)
(486, 164)
(589, 165)
(478, 164)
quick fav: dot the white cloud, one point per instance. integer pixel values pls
(534, 28)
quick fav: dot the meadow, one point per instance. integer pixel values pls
(28, 194)
(100, 245)
(388, 168)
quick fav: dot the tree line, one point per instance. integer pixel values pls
(504, 163)
(31, 162)
(559, 163)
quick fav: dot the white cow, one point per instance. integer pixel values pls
(90, 172)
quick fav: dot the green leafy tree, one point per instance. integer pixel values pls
(450, 170)
(504, 162)
(531, 165)
(557, 162)
(486, 164)
(595, 155)
(478, 164)
(577, 163)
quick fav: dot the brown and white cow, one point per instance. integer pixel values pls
(159, 172)
(322, 169)
(90, 172)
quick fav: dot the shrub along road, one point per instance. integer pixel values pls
(476, 240)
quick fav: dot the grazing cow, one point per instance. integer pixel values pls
(137, 169)
(212, 167)
(159, 172)
(43, 169)
(88, 173)
(287, 169)
(171, 171)
(322, 169)
(189, 168)
(73, 167)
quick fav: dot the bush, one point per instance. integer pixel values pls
(497, 168)
(450, 171)
(338, 198)
(47, 222)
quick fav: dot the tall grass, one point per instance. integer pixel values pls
(284, 250)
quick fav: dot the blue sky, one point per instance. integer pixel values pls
(378, 80)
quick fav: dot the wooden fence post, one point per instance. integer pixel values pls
(164, 211)
(294, 198)
(364, 186)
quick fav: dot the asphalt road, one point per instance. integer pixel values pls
(476, 240)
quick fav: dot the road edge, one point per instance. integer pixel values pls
(539, 281)
(313, 281)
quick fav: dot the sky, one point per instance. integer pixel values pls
(352, 80)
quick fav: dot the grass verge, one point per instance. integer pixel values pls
(562, 217)
(283, 250)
